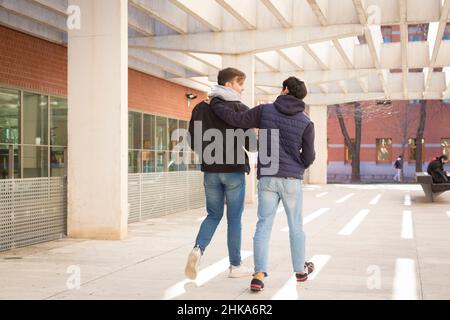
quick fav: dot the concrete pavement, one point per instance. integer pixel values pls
(368, 242)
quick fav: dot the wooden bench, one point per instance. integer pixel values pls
(431, 189)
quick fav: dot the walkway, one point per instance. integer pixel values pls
(368, 242)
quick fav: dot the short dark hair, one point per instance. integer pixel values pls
(443, 157)
(296, 87)
(229, 74)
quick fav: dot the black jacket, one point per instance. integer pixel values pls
(296, 132)
(436, 171)
(203, 114)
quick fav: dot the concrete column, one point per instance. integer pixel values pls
(98, 121)
(246, 63)
(318, 172)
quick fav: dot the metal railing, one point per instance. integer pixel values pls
(32, 211)
(157, 194)
(35, 210)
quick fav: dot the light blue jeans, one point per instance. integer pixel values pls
(270, 191)
(219, 186)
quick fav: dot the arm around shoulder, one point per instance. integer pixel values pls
(246, 120)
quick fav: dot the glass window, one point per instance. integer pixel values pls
(414, 101)
(149, 132)
(156, 153)
(134, 161)
(35, 119)
(348, 152)
(184, 161)
(184, 125)
(9, 116)
(161, 161)
(58, 120)
(135, 130)
(161, 133)
(9, 162)
(412, 143)
(173, 126)
(148, 161)
(194, 165)
(445, 142)
(57, 162)
(415, 37)
(35, 162)
(173, 164)
(384, 150)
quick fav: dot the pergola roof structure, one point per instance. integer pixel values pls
(184, 41)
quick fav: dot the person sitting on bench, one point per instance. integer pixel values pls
(436, 170)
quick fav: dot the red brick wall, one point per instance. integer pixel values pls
(437, 127)
(150, 94)
(34, 64)
(30, 63)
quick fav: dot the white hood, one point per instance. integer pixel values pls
(225, 93)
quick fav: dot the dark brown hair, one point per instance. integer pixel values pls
(296, 87)
(229, 74)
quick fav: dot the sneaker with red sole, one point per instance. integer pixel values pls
(257, 283)
(303, 276)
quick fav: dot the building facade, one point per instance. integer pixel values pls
(34, 143)
(386, 134)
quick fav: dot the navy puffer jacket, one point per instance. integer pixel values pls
(285, 117)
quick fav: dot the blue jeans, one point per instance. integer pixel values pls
(270, 191)
(219, 186)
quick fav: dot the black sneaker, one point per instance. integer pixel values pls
(303, 276)
(257, 283)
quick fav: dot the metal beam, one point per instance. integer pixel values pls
(282, 10)
(404, 39)
(244, 11)
(184, 61)
(252, 41)
(22, 24)
(208, 12)
(312, 77)
(36, 13)
(165, 12)
(435, 40)
(371, 32)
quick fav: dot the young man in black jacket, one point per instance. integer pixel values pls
(224, 176)
(280, 180)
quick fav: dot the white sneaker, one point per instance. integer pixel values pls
(193, 263)
(240, 272)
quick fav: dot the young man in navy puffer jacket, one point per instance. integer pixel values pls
(286, 120)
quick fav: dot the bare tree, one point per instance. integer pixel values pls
(419, 135)
(360, 112)
(355, 147)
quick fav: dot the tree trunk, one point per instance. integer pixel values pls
(405, 125)
(419, 135)
(356, 163)
(354, 147)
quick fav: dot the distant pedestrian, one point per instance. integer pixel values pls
(398, 165)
